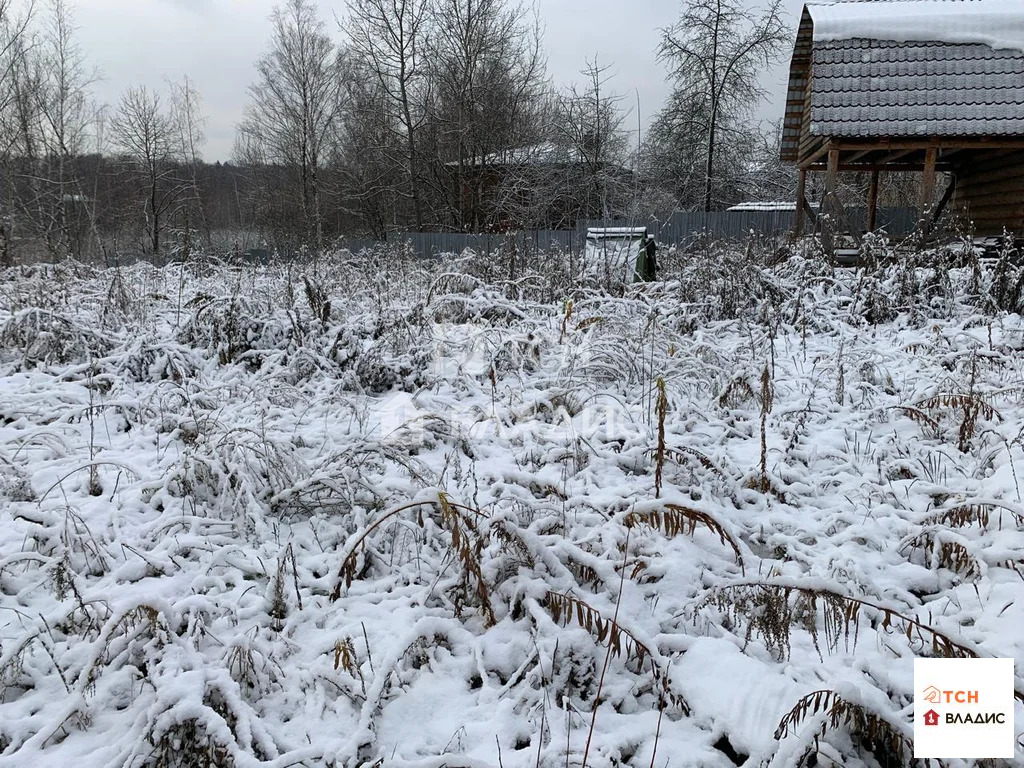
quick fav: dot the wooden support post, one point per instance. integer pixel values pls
(928, 180)
(828, 229)
(801, 187)
(832, 180)
(872, 201)
(928, 191)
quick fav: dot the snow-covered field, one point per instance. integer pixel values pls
(423, 515)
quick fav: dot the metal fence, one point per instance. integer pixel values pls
(681, 227)
(677, 228)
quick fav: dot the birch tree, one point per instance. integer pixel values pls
(294, 107)
(143, 131)
(66, 116)
(388, 36)
(13, 55)
(188, 124)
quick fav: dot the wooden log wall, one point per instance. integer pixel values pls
(797, 116)
(990, 192)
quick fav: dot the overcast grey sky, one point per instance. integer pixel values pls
(216, 43)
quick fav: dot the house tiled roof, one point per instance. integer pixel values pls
(871, 87)
(868, 88)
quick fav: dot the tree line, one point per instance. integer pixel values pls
(397, 115)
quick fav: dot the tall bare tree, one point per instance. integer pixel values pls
(489, 81)
(673, 160)
(388, 36)
(64, 119)
(188, 123)
(295, 106)
(717, 51)
(14, 55)
(144, 132)
(589, 122)
(367, 158)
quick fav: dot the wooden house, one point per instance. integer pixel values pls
(930, 86)
(541, 185)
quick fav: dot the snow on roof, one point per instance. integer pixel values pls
(995, 23)
(603, 232)
(545, 153)
(777, 205)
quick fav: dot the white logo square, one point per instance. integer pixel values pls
(963, 708)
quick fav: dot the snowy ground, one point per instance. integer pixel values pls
(431, 523)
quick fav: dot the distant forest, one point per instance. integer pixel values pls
(406, 115)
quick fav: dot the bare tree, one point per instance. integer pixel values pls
(589, 122)
(188, 124)
(673, 160)
(388, 36)
(145, 133)
(489, 83)
(14, 55)
(370, 178)
(717, 51)
(60, 114)
(13, 30)
(295, 106)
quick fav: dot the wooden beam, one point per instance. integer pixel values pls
(801, 187)
(811, 214)
(946, 197)
(858, 155)
(832, 179)
(892, 157)
(872, 201)
(928, 180)
(861, 168)
(828, 231)
(927, 191)
(946, 155)
(982, 142)
(816, 155)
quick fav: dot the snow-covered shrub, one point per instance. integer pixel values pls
(494, 518)
(724, 280)
(15, 484)
(232, 327)
(35, 337)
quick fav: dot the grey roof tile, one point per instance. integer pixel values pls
(883, 88)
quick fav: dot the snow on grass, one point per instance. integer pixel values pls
(407, 515)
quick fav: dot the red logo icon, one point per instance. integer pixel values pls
(931, 717)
